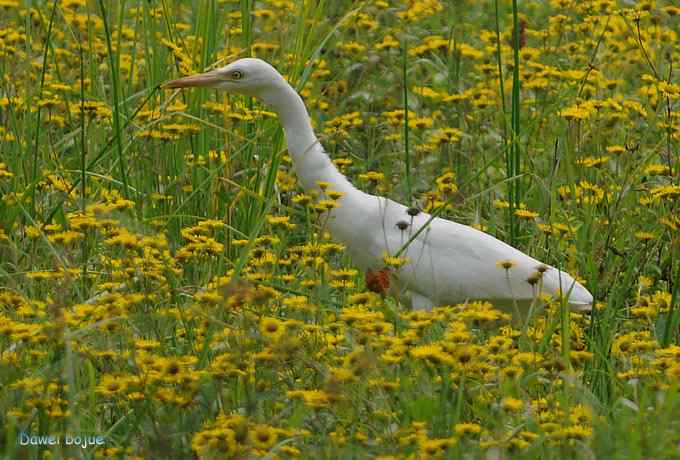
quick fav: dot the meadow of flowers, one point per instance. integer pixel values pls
(167, 286)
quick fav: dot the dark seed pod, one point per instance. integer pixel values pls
(534, 279)
(402, 225)
(542, 269)
(413, 212)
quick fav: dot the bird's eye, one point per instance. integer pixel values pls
(236, 75)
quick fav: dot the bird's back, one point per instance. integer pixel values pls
(451, 262)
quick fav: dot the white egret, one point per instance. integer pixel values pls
(446, 262)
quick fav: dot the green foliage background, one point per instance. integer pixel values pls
(165, 283)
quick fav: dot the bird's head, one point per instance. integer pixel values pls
(247, 76)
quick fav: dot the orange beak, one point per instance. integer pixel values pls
(206, 79)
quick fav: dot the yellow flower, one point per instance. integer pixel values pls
(65, 238)
(427, 92)
(143, 344)
(673, 372)
(111, 385)
(433, 353)
(501, 204)
(575, 113)
(506, 264)
(525, 214)
(446, 183)
(395, 262)
(262, 436)
(435, 448)
(4, 173)
(272, 328)
(352, 47)
(511, 404)
(579, 432)
(463, 429)
(616, 149)
(313, 398)
(446, 136)
(592, 162)
(657, 169)
(326, 205)
(372, 176)
(645, 236)
(323, 185)
(220, 440)
(671, 10)
(282, 222)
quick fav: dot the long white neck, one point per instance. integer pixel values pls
(357, 210)
(309, 159)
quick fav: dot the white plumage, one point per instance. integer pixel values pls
(447, 263)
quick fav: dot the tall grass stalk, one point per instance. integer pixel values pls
(501, 86)
(115, 87)
(247, 219)
(407, 153)
(83, 158)
(83, 146)
(246, 25)
(514, 170)
(36, 144)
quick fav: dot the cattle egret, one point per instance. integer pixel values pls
(444, 262)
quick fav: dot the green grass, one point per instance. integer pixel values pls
(152, 291)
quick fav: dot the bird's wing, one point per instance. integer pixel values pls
(451, 262)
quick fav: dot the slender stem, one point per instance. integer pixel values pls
(501, 87)
(407, 155)
(506, 151)
(592, 57)
(246, 23)
(252, 208)
(113, 67)
(565, 322)
(516, 197)
(644, 51)
(83, 148)
(40, 93)
(83, 154)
